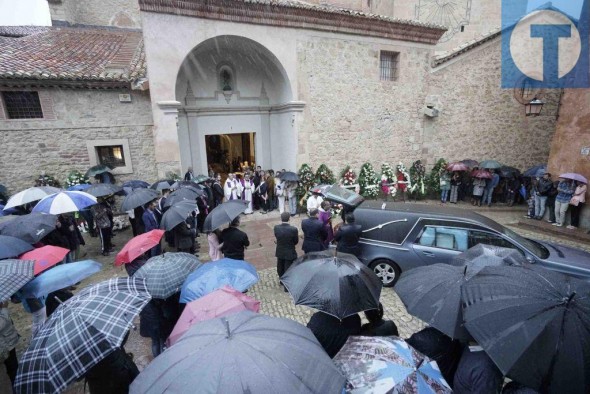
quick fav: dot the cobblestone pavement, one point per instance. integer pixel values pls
(274, 301)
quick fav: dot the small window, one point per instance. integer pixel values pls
(389, 66)
(444, 238)
(111, 156)
(462, 28)
(22, 105)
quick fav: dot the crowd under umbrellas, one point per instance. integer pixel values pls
(490, 296)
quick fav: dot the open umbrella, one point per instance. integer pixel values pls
(30, 195)
(534, 325)
(30, 228)
(223, 214)
(574, 176)
(485, 174)
(238, 274)
(536, 171)
(64, 202)
(138, 198)
(177, 214)
(136, 184)
(507, 172)
(490, 164)
(221, 302)
(3, 189)
(470, 163)
(162, 184)
(97, 170)
(165, 274)
(45, 257)
(289, 176)
(12, 247)
(79, 334)
(14, 274)
(79, 188)
(243, 352)
(60, 277)
(103, 189)
(337, 285)
(186, 185)
(457, 166)
(388, 365)
(137, 246)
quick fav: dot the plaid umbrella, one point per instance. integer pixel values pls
(14, 274)
(80, 333)
(388, 364)
(165, 274)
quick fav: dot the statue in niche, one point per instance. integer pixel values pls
(226, 80)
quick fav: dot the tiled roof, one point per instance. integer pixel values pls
(465, 47)
(21, 31)
(75, 55)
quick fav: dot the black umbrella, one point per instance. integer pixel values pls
(534, 324)
(482, 255)
(97, 170)
(12, 247)
(186, 185)
(29, 228)
(171, 200)
(187, 194)
(162, 184)
(176, 214)
(289, 176)
(242, 353)
(103, 189)
(507, 172)
(137, 198)
(136, 184)
(223, 214)
(337, 285)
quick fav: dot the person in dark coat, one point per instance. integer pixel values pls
(151, 223)
(136, 264)
(234, 240)
(477, 373)
(68, 228)
(157, 320)
(207, 187)
(332, 333)
(287, 238)
(348, 235)
(217, 191)
(377, 327)
(439, 347)
(184, 237)
(314, 233)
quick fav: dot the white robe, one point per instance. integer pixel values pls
(248, 189)
(232, 189)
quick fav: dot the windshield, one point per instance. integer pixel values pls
(532, 246)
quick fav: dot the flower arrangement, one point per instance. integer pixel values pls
(324, 175)
(387, 171)
(418, 175)
(347, 177)
(75, 177)
(173, 176)
(306, 181)
(46, 180)
(336, 210)
(368, 181)
(433, 179)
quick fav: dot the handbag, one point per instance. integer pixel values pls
(575, 201)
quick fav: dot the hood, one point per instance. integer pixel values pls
(569, 260)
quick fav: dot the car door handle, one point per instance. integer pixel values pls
(428, 254)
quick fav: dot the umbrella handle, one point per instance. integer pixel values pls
(58, 300)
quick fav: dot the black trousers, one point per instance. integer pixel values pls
(105, 239)
(283, 265)
(11, 364)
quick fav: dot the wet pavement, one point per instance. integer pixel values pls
(274, 301)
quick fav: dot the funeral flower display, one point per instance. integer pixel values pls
(347, 177)
(324, 175)
(75, 177)
(306, 181)
(368, 181)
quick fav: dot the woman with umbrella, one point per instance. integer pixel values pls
(577, 202)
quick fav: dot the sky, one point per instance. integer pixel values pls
(24, 13)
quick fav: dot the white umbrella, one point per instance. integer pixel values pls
(63, 202)
(29, 195)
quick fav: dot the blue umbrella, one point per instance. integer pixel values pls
(211, 276)
(12, 247)
(64, 202)
(536, 171)
(136, 184)
(60, 277)
(7, 212)
(79, 188)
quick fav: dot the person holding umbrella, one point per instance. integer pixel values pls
(565, 192)
(331, 332)
(287, 238)
(151, 223)
(577, 202)
(455, 183)
(100, 212)
(234, 240)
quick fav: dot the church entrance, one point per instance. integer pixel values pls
(230, 152)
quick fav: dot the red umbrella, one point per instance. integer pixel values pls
(457, 166)
(481, 174)
(138, 246)
(45, 257)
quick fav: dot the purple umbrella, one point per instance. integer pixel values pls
(574, 176)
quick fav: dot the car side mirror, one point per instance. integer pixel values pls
(531, 260)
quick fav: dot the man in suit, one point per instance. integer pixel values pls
(234, 240)
(151, 223)
(348, 236)
(314, 233)
(287, 237)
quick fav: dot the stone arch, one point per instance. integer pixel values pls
(123, 19)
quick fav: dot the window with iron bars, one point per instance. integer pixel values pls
(22, 105)
(389, 66)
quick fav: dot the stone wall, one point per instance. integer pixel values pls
(119, 13)
(59, 146)
(478, 119)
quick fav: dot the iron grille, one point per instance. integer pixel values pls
(389, 65)
(22, 105)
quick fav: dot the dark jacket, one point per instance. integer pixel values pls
(314, 233)
(217, 193)
(113, 374)
(477, 373)
(347, 238)
(383, 328)
(544, 186)
(149, 220)
(234, 242)
(287, 237)
(183, 236)
(159, 317)
(332, 333)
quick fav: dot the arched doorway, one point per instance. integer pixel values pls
(236, 107)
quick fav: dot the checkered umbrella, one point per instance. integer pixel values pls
(165, 274)
(14, 274)
(79, 334)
